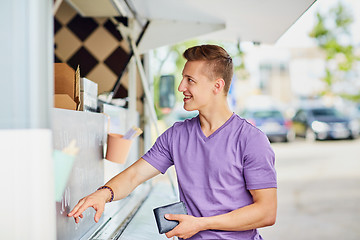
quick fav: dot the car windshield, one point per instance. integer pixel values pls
(326, 112)
(267, 114)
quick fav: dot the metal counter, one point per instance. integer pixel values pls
(90, 171)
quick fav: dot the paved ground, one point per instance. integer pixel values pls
(318, 194)
(319, 191)
(143, 225)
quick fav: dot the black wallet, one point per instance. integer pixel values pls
(163, 224)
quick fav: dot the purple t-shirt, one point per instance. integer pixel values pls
(215, 173)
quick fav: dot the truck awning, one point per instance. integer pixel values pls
(172, 21)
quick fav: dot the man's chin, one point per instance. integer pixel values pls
(189, 108)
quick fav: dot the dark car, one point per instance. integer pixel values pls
(271, 122)
(357, 116)
(324, 123)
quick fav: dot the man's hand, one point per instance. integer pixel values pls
(188, 226)
(95, 200)
(124, 183)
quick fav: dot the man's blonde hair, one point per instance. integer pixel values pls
(219, 62)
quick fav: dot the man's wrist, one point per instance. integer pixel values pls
(110, 191)
(203, 223)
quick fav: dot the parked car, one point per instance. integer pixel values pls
(272, 122)
(324, 123)
(357, 115)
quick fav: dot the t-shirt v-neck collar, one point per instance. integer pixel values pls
(201, 133)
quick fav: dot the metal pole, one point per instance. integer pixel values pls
(145, 87)
(150, 104)
(132, 93)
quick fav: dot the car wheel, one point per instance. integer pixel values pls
(354, 135)
(310, 136)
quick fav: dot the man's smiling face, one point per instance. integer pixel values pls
(196, 86)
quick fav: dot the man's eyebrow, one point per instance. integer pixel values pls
(185, 75)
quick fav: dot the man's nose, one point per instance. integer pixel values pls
(182, 86)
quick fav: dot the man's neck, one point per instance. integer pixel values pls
(214, 118)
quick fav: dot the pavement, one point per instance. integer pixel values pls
(318, 191)
(318, 194)
(143, 225)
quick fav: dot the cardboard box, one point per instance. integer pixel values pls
(88, 95)
(64, 101)
(67, 87)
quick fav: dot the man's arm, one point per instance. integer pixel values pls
(122, 184)
(261, 213)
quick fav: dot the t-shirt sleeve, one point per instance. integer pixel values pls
(159, 155)
(259, 162)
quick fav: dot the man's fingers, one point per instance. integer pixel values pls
(77, 220)
(82, 208)
(93, 201)
(169, 217)
(170, 234)
(176, 217)
(79, 209)
(75, 209)
(98, 213)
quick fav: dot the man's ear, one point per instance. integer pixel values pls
(219, 85)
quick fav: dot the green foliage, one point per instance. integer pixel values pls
(320, 32)
(351, 97)
(328, 78)
(343, 18)
(332, 35)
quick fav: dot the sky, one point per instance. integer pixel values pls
(297, 35)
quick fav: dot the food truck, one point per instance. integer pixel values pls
(76, 71)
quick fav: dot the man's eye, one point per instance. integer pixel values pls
(190, 80)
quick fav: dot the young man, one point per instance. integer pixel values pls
(224, 165)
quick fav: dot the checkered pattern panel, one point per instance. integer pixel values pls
(92, 43)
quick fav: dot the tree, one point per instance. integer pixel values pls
(332, 34)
